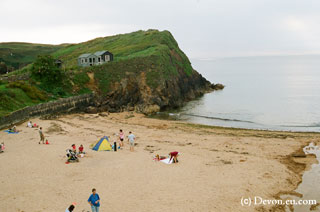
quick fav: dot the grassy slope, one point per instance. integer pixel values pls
(20, 54)
(152, 51)
(123, 46)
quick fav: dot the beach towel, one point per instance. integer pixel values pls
(166, 161)
(8, 131)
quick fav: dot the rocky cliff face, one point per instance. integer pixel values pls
(133, 92)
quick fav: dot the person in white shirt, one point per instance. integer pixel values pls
(29, 124)
(131, 139)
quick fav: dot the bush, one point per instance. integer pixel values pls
(3, 68)
(33, 92)
(46, 70)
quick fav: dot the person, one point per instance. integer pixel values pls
(2, 147)
(94, 201)
(158, 157)
(131, 139)
(74, 148)
(41, 135)
(81, 149)
(13, 129)
(70, 209)
(174, 155)
(121, 137)
(29, 124)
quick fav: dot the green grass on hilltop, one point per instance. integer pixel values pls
(127, 46)
(18, 55)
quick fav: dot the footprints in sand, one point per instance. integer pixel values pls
(94, 130)
(219, 162)
(230, 151)
(55, 128)
(184, 144)
(151, 148)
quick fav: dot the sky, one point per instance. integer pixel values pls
(204, 29)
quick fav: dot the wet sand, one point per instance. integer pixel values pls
(217, 166)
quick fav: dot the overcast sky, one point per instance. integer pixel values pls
(203, 28)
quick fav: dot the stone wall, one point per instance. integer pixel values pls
(76, 103)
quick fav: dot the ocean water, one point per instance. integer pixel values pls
(274, 93)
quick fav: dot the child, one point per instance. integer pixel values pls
(74, 148)
(121, 137)
(81, 149)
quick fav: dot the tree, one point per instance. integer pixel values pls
(46, 70)
(3, 68)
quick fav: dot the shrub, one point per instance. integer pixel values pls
(46, 70)
(33, 92)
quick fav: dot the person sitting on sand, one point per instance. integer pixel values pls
(13, 129)
(121, 137)
(174, 155)
(29, 124)
(70, 209)
(74, 148)
(2, 147)
(81, 149)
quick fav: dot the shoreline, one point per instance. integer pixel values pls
(268, 163)
(164, 115)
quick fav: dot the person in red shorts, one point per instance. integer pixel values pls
(174, 155)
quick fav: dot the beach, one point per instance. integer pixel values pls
(217, 166)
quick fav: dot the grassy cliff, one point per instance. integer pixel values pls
(148, 69)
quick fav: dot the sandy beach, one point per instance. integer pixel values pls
(217, 166)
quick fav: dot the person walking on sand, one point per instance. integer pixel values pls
(41, 135)
(131, 139)
(94, 201)
(121, 137)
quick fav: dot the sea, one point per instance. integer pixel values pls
(263, 92)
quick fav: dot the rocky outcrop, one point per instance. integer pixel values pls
(133, 93)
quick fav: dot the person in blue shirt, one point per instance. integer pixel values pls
(94, 201)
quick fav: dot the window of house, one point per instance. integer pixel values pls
(99, 59)
(82, 60)
(86, 60)
(90, 60)
(94, 60)
(107, 57)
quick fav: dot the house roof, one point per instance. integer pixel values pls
(85, 55)
(99, 53)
